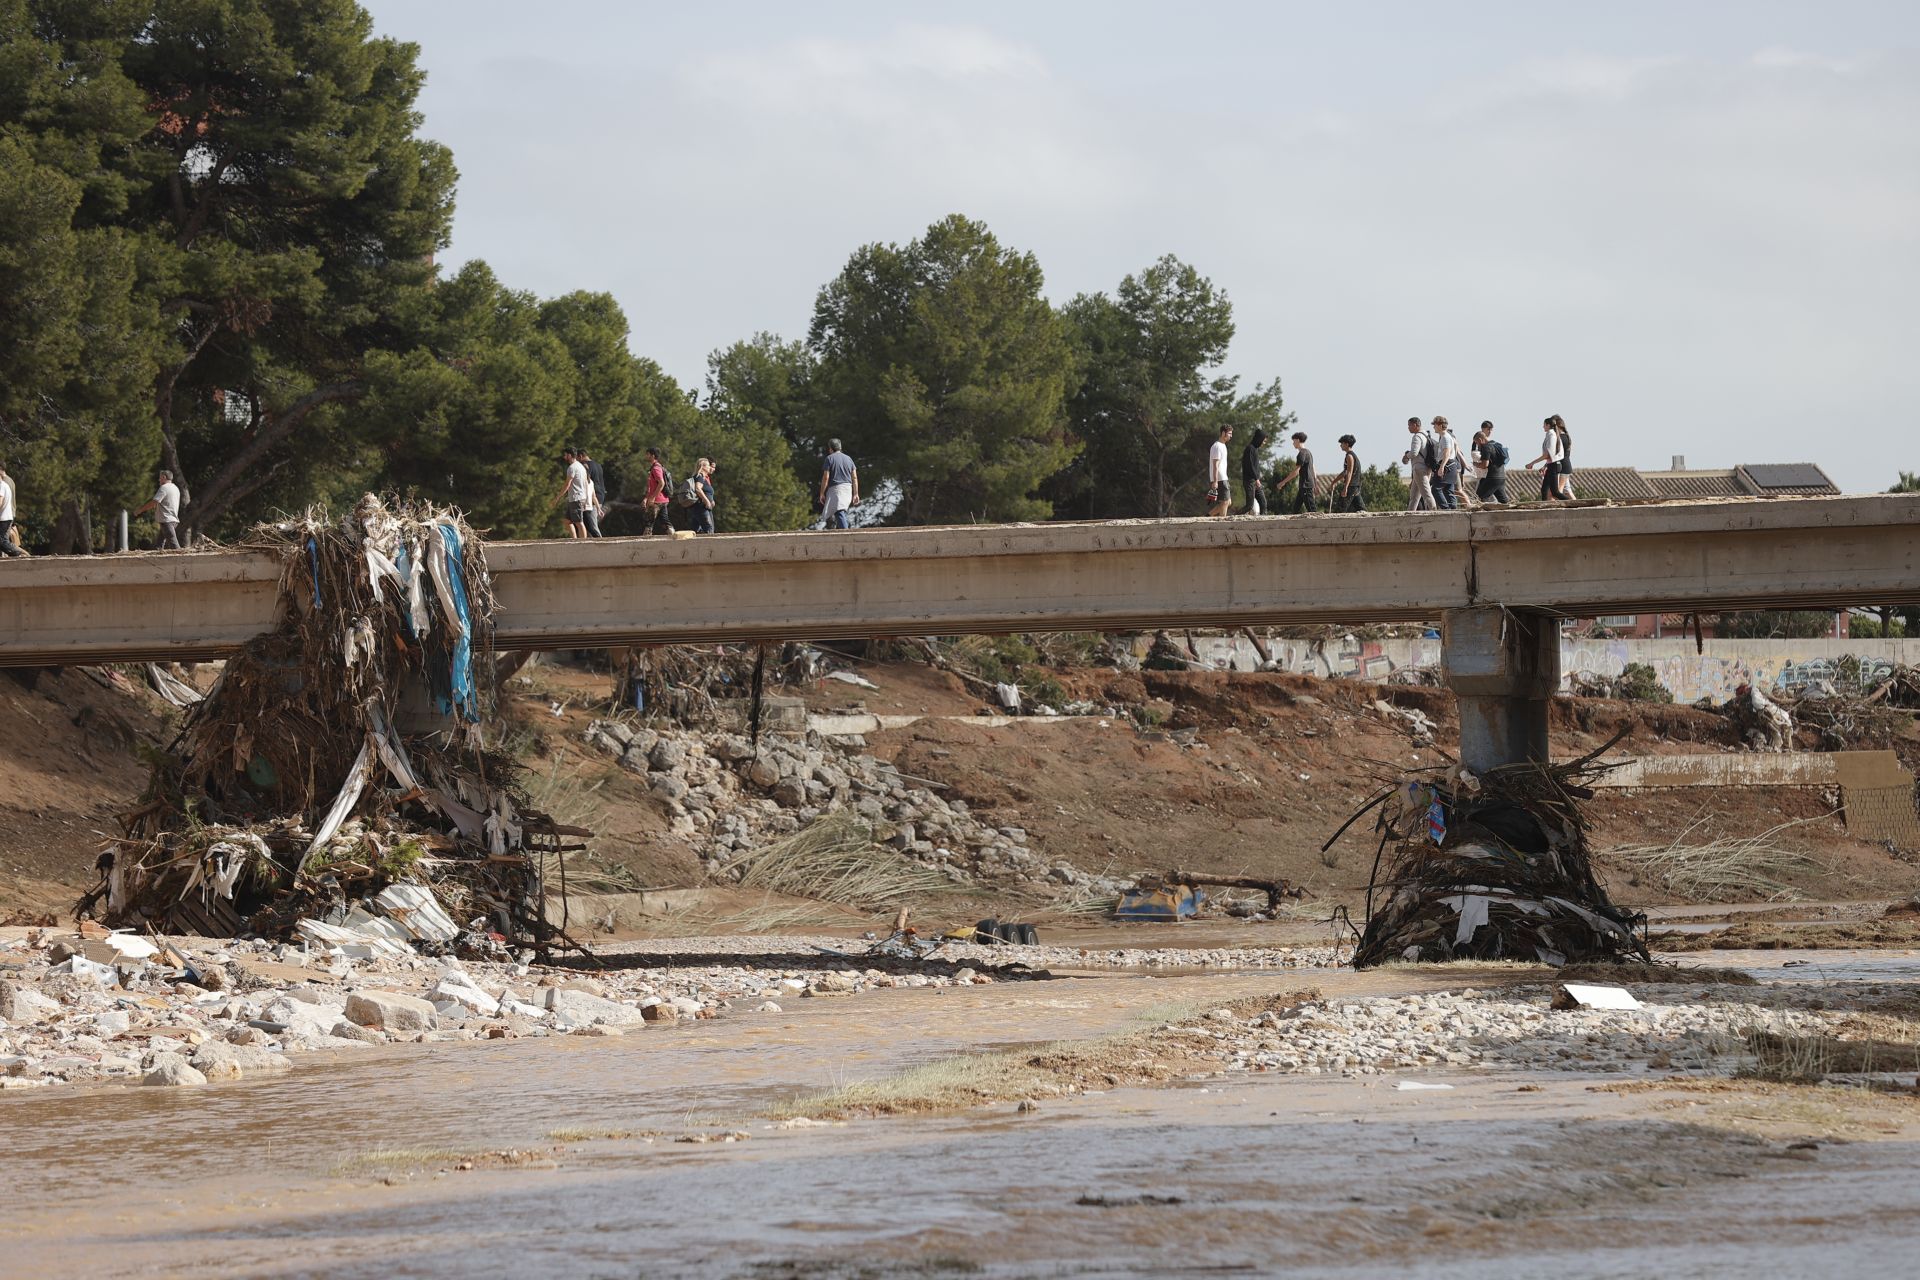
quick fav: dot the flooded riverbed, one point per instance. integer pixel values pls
(1258, 1174)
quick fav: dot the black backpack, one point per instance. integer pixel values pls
(1434, 453)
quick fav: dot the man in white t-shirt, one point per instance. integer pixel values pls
(576, 491)
(6, 516)
(1219, 490)
(165, 504)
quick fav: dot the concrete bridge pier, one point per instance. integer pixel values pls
(1502, 665)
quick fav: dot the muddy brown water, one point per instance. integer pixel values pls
(1257, 1175)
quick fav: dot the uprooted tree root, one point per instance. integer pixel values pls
(292, 792)
(1489, 868)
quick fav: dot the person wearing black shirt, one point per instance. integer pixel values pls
(1303, 468)
(1491, 455)
(1250, 471)
(1346, 490)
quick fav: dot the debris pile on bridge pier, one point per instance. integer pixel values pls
(336, 776)
(1491, 867)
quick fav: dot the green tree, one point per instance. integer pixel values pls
(1148, 405)
(292, 214)
(1384, 490)
(753, 426)
(78, 342)
(945, 372)
(479, 416)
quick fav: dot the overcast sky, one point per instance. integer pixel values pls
(1687, 227)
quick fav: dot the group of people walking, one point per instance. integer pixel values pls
(688, 505)
(1443, 474)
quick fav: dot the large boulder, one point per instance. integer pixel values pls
(391, 1011)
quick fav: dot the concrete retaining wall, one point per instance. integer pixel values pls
(1785, 666)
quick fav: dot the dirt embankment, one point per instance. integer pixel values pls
(73, 743)
(1227, 772)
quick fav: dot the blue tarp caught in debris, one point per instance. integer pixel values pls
(1177, 903)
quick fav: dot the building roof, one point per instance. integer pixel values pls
(1771, 478)
(1692, 484)
(1611, 482)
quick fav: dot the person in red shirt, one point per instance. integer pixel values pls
(655, 506)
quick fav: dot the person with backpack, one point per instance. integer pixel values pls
(1419, 459)
(703, 514)
(1490, 464)
(1346, 489)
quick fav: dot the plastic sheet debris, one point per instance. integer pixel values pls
(1419, 1086)
(414, 908)
(1577, 995)
(852, 678)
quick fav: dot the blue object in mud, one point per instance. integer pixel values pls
(1178, 902)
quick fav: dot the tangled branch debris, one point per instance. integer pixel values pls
(294, 796)
(1491, 868)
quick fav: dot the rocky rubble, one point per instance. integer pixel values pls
(241, 1008)
(1690, 1029)
(729, 798)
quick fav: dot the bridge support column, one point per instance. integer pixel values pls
(1502, 665)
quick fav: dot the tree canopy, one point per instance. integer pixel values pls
(944, 370)
(1148, 403)
(218, 230)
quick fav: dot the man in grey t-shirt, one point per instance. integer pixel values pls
(839, 487)
(165, 504)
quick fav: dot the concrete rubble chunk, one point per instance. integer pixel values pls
(460, 990)
(581, 1007)
(391, 1011)
(344, 1030)
(21, 1005)
(170, 1069)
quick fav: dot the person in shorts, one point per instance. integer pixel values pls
(6, 517)
(1219, 488)
(1550, 453)
(576, 491)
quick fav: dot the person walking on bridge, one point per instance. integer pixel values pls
(653, 508)
(6, 516)
(1250, 471)
(1490, 464)
(1303, 498)
(839, 487)
(576, 491)
(1219, 488)
(1550, 453)
(1419, 469)
(703, 510)
(597, 477)
(165, 504)
(1346, 489)
(1445, 461)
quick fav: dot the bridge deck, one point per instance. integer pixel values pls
(1584, 561)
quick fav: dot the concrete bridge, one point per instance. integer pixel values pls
(1496, 578)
